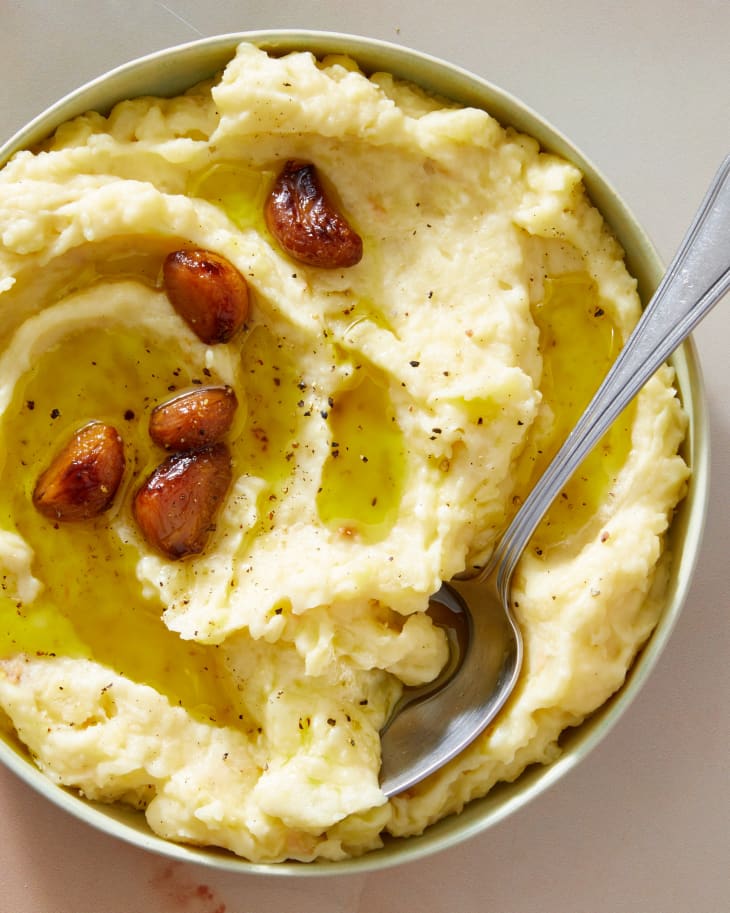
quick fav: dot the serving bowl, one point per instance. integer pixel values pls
(169, 72)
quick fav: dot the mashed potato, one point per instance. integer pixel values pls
(391, 416)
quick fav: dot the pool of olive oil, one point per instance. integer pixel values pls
(238, 190)
(91, 604)
(363, 476)
(578, 342)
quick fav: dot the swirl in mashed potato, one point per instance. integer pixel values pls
(392, 416)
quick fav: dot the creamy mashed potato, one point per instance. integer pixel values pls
(392, 415)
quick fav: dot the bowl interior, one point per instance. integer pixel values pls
(171, 71)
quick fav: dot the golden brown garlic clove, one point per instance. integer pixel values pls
(194, 419)
(177, 505)
(208, 292)
(306, 223)
(82, 479)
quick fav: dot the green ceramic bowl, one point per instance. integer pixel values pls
(171, 71)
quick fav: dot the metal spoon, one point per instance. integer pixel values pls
(433, 724)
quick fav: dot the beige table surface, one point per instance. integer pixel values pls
(642, 826)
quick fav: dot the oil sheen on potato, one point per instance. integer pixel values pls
(92, 604)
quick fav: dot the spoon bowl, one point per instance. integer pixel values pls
(433, 725)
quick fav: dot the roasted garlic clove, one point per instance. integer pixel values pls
(306, 223)
(83, 478)
(193, 419)
(208, 292)
(177, 505)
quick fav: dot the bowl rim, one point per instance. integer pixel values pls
(203, 58)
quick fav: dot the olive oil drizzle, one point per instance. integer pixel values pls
(92, 604)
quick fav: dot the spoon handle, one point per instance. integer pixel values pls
(697, 278)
